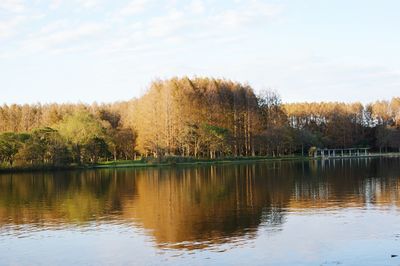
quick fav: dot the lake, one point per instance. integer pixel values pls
(333, 212)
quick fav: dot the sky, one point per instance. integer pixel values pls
(105, 51)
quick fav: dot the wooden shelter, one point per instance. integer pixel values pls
(339, 153)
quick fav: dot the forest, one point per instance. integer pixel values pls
(191, 118)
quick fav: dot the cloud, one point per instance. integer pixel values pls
(241, 15)
(49, 38)
(169, 25)
(15, 6)
(54, 4)
(176, 27)
(196, 7)
(9, 27)
(148, 35)
(88, 3)
(85, 4)
(166, 25)
(54, 26)
(132, 8)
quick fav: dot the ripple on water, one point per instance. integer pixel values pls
(294, 212)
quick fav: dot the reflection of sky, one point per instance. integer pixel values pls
(347, 236)
(308, 50)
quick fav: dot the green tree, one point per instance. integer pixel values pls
(95, 149)
(81, 129)
(44, 146)
(10, 143)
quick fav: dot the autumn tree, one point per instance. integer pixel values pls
(192, 117)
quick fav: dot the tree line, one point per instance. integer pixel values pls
(199, 118)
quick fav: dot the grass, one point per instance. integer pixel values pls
(165, 161)
(177, 161)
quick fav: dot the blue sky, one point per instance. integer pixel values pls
(102, 50)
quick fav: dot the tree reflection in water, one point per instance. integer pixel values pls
(195, 207)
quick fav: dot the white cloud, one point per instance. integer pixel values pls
(88, 3)
(85, 4)
(54, 26)
(165, 25)
(178, 26)
(197, 6)
(132, 8)
(247, 13)
(54, 4)
(9, 27)
(50, 38)
(15, 6)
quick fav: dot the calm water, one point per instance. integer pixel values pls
(284, 213)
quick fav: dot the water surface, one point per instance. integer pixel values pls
(278, 213)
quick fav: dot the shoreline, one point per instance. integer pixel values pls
(196, 162)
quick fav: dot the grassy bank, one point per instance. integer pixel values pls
(174, 161)
(144, 163)
(177, 161)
